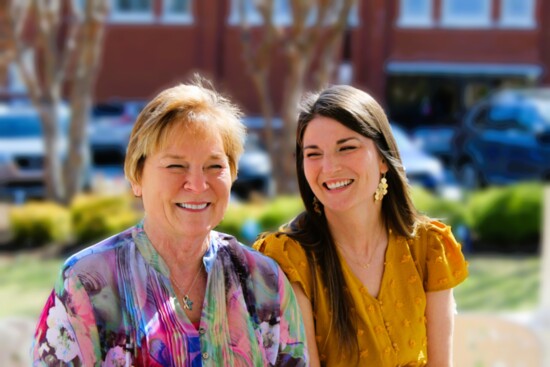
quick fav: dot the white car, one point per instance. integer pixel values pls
(421, 168)
(22, 151)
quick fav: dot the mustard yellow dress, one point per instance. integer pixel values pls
(391, 328)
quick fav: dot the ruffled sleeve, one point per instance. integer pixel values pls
(290, 256)
(440, 257)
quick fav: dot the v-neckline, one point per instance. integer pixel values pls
(346, 268)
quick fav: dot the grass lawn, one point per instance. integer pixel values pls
(25, 283)
(500, 283)
(496, 283)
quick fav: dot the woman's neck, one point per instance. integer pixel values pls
(358, 233)
(182, 254)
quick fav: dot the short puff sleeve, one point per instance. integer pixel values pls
(290, 256)
(440, 257)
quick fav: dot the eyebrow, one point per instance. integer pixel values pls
(176, 156)
(338, 142)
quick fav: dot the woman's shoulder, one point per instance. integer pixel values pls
(281, 247)
(431, 228)
(439, 255)
(99, 252)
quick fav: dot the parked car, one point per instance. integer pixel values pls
(117, 112)
(22, 151)
(255, 171)
(108, 143)
(110, 128)
(504, 139)
(422, 168)
(435, 140)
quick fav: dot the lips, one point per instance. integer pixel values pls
(190, 206)
(333, 185)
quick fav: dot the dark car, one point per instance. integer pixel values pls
(111, 125)
(504, 139)
(255, 171)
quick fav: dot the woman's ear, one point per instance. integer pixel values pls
(136, 189)
(383, 165)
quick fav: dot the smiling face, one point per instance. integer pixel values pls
(185, 185)
(342, 167)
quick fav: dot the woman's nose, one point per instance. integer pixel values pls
(195, 181)
(330, 163)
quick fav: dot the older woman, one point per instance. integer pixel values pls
(171, 291)
(373, 276)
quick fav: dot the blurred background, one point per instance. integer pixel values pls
(465, 83)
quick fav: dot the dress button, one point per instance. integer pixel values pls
(202, 331)
(205, 355)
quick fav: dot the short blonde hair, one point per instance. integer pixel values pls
(189, 106)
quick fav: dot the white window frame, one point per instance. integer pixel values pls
(134, 17)
(450, 20)
(408, 20)
(177, 18)
(509, 19)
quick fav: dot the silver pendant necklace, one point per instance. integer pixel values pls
(186, 300)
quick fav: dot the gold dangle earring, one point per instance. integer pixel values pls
(317, 206)
(382, 188)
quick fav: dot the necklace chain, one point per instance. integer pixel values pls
(361, 264)
(186, 300)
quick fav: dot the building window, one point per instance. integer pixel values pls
(415, 13)
(177, 11)
(517, 13)
(466, 13)
(282, 14)
(132, 11)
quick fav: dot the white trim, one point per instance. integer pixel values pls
(451, 68)
(450, 20)
(509, 19)
(407, 20)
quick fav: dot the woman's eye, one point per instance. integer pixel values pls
(215, 166)
(174, 166)
(349, 147)
(312, 155)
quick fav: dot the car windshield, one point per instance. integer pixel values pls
(20, 127)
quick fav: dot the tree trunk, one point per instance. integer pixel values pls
(53, 151)
(77, 167)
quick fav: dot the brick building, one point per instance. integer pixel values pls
(425, 60)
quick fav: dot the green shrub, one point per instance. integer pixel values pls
(450, 212)
(280, 211)
(96, 217)
(36, 224)
(506, 218)
(235, 217)
(246, 220)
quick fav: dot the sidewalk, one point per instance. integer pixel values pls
(16, 336)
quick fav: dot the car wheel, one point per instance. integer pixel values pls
(469, 177)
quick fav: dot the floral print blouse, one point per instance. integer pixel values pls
(113, 305)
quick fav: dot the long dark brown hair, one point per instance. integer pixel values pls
(358, 111)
